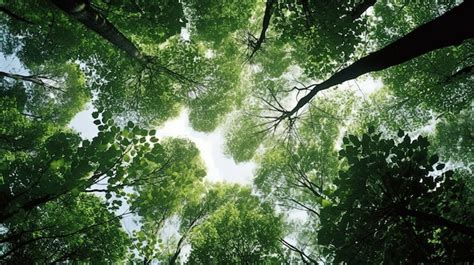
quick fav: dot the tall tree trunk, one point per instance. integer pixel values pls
(82, 11)
(451, 28)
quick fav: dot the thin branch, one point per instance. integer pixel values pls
(41, 80)
(304, 257)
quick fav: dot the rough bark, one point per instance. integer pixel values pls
(451, 28)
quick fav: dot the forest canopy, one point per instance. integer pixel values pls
(358, 117)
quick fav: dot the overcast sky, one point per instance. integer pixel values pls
(211, 145)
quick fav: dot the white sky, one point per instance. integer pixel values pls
(211, 145)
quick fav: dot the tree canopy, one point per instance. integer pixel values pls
(358, 116)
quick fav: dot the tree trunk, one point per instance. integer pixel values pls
(82, 11)
(176, 253)
(265, 24)
(451, 28)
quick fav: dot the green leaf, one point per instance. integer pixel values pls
(400, 133)
(126, 158)
(433, 159)
(326, 203)
(107, 115)
(354, 140)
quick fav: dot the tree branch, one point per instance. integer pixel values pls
(256, 45)
(447, 30)
(11, 14)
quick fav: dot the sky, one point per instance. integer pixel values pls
(220, 167)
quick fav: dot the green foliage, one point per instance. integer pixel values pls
(242, 139)
(387, 200)
(56, 96)
(79, 229)
(244, 231)
(44, 164)
(176, 172)
(435, 79)
(388, 193)
(453, 138)
(323, 34)
(154, 20)
(213, 20)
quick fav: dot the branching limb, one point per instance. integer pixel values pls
(256, 44)
(304, 257)
(41, 80)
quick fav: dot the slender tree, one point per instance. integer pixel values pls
(447, 30)
(83, 12)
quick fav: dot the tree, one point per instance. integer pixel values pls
(199, 205)
(243, 232)
(157, 200)
(213, 21)
(449, 31)
(94, 20)
(388, 194)
(74, 229)
(436, 80)
(323, 35)
(454, 139)
(140, 63)
(54, 93)
(133, 88)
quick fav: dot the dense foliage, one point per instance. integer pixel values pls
(375, 171)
